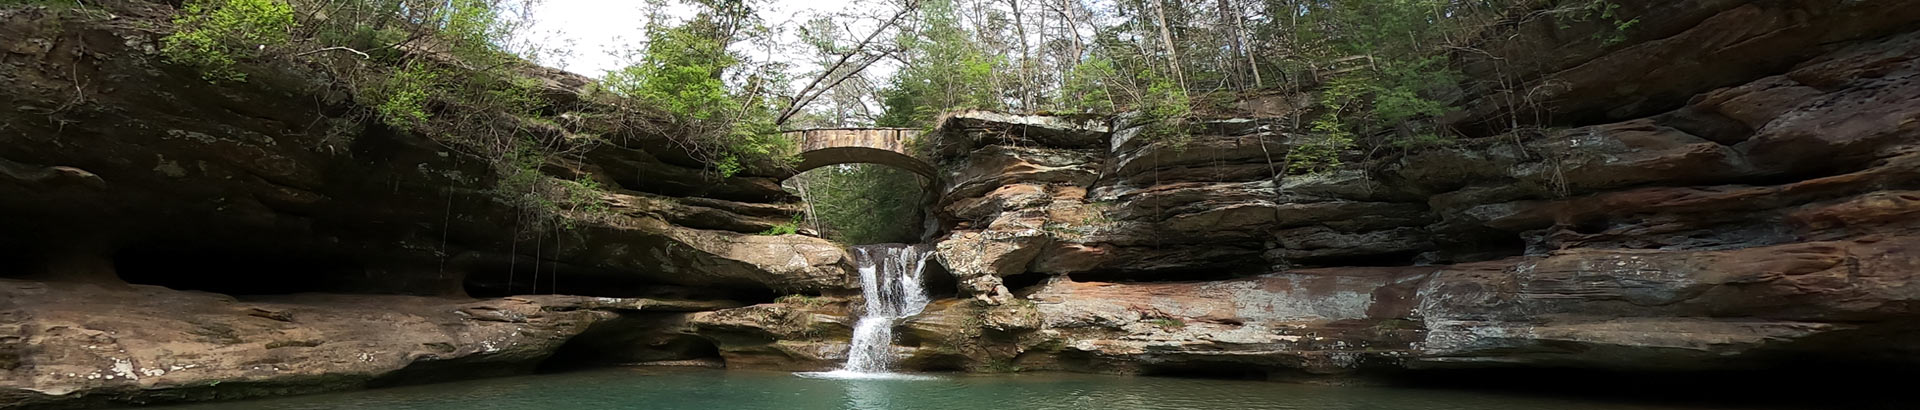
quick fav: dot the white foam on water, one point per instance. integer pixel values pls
(853, 375)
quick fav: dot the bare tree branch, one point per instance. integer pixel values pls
(810, 92)
(334, 48)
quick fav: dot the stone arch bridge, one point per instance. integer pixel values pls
(885, 146)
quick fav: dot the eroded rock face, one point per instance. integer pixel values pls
(1674, 51)
(358, 245)
(1645, 309)
(1735, 185)
(67, 345)
(1321, 321)
(1676, 227)
(1615, 309)
(812, 334)
(109, 151)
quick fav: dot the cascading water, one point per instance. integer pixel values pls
(890, 279)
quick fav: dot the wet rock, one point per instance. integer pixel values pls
(807, 335)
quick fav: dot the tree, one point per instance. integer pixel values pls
(863, 203)
(847, 63)
(683, 71)
(943, 71)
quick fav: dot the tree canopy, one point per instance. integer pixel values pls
(1373, 73)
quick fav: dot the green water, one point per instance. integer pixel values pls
(751, 390)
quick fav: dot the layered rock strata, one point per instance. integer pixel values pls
(115, 159)
(358, 248)
(1733, 185)
(1691, 213)
(66, 345)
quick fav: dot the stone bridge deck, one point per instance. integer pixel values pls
(885, 146)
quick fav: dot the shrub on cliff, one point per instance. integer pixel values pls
(1167, 109)
(444, 69)
(1084, 88)
(213, 35)
(683, 71)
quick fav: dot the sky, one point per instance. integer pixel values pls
(596, 31)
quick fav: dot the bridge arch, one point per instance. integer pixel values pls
(885, 146)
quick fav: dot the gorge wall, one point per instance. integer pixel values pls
(1735, 185)
(1731, 188)
(137, 196)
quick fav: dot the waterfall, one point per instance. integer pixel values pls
(890, 280)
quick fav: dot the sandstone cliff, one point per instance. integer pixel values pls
(1735, 185)
(119, 170)
(1731, 187)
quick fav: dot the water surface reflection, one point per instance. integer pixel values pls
(752, 390)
